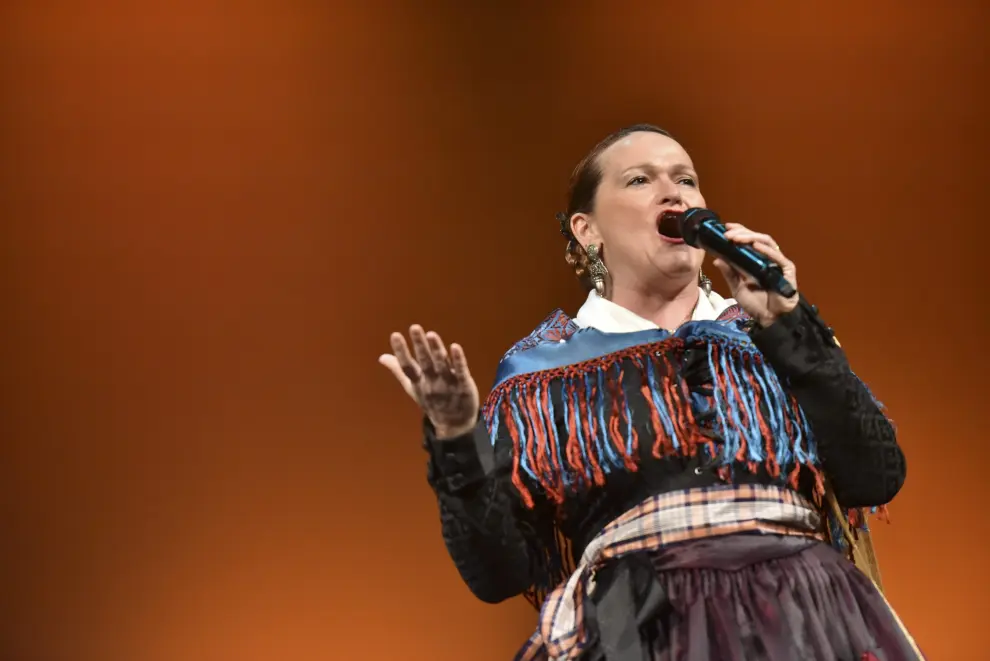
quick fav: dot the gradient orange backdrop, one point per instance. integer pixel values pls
(214, 214)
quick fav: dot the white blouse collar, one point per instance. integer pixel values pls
(606, 316)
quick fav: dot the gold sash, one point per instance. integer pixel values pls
(858, 543)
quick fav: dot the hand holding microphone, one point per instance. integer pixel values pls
(762, 279)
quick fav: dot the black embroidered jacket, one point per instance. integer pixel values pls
(504, 546)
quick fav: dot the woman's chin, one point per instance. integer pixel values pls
(676, 259)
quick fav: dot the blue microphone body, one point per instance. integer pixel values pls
(702, 228)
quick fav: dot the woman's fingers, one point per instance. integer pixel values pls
(730, 273)
(438, 355)
(735, 277)
(409, 366)
(458, 362)
(428, 359)
(420, 350)
(741, 234)
(772, 250)
(391, 363)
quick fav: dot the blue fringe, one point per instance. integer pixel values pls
(835, 533)
(788, 451)
(661, 405)
(737, 415)
(521, 429)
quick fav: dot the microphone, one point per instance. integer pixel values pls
(702, 228)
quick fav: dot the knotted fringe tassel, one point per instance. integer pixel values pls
(848, 534)
(555, 562)
(756, 419)
(585, 432)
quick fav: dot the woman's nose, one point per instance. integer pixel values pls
(668, 192)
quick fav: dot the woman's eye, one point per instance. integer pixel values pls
(688, 181)
(638, 179)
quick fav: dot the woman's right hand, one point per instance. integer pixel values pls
(438, 380)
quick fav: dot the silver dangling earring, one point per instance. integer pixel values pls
(596, 269)
(704, 283)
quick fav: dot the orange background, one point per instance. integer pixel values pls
(214, 216)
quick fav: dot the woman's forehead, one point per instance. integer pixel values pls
(644, 148)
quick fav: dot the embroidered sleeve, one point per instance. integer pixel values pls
(488, 535)
(856, 441)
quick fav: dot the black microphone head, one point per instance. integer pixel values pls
(691, 220)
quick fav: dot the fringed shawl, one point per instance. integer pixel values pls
(565, 446)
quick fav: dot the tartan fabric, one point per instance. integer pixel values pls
(664, 519)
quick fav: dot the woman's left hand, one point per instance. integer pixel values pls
(765, 307)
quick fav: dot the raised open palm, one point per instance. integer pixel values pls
(436, 379)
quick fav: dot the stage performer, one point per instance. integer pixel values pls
(669, 474)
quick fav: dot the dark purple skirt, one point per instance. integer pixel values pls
(745, 598)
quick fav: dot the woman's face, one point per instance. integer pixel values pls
(643, 175)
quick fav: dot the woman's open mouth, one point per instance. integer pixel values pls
(669, 229)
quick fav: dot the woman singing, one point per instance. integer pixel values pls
(669, 474)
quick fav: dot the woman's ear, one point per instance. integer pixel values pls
(585, 230)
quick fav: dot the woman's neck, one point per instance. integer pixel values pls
(667, 309)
